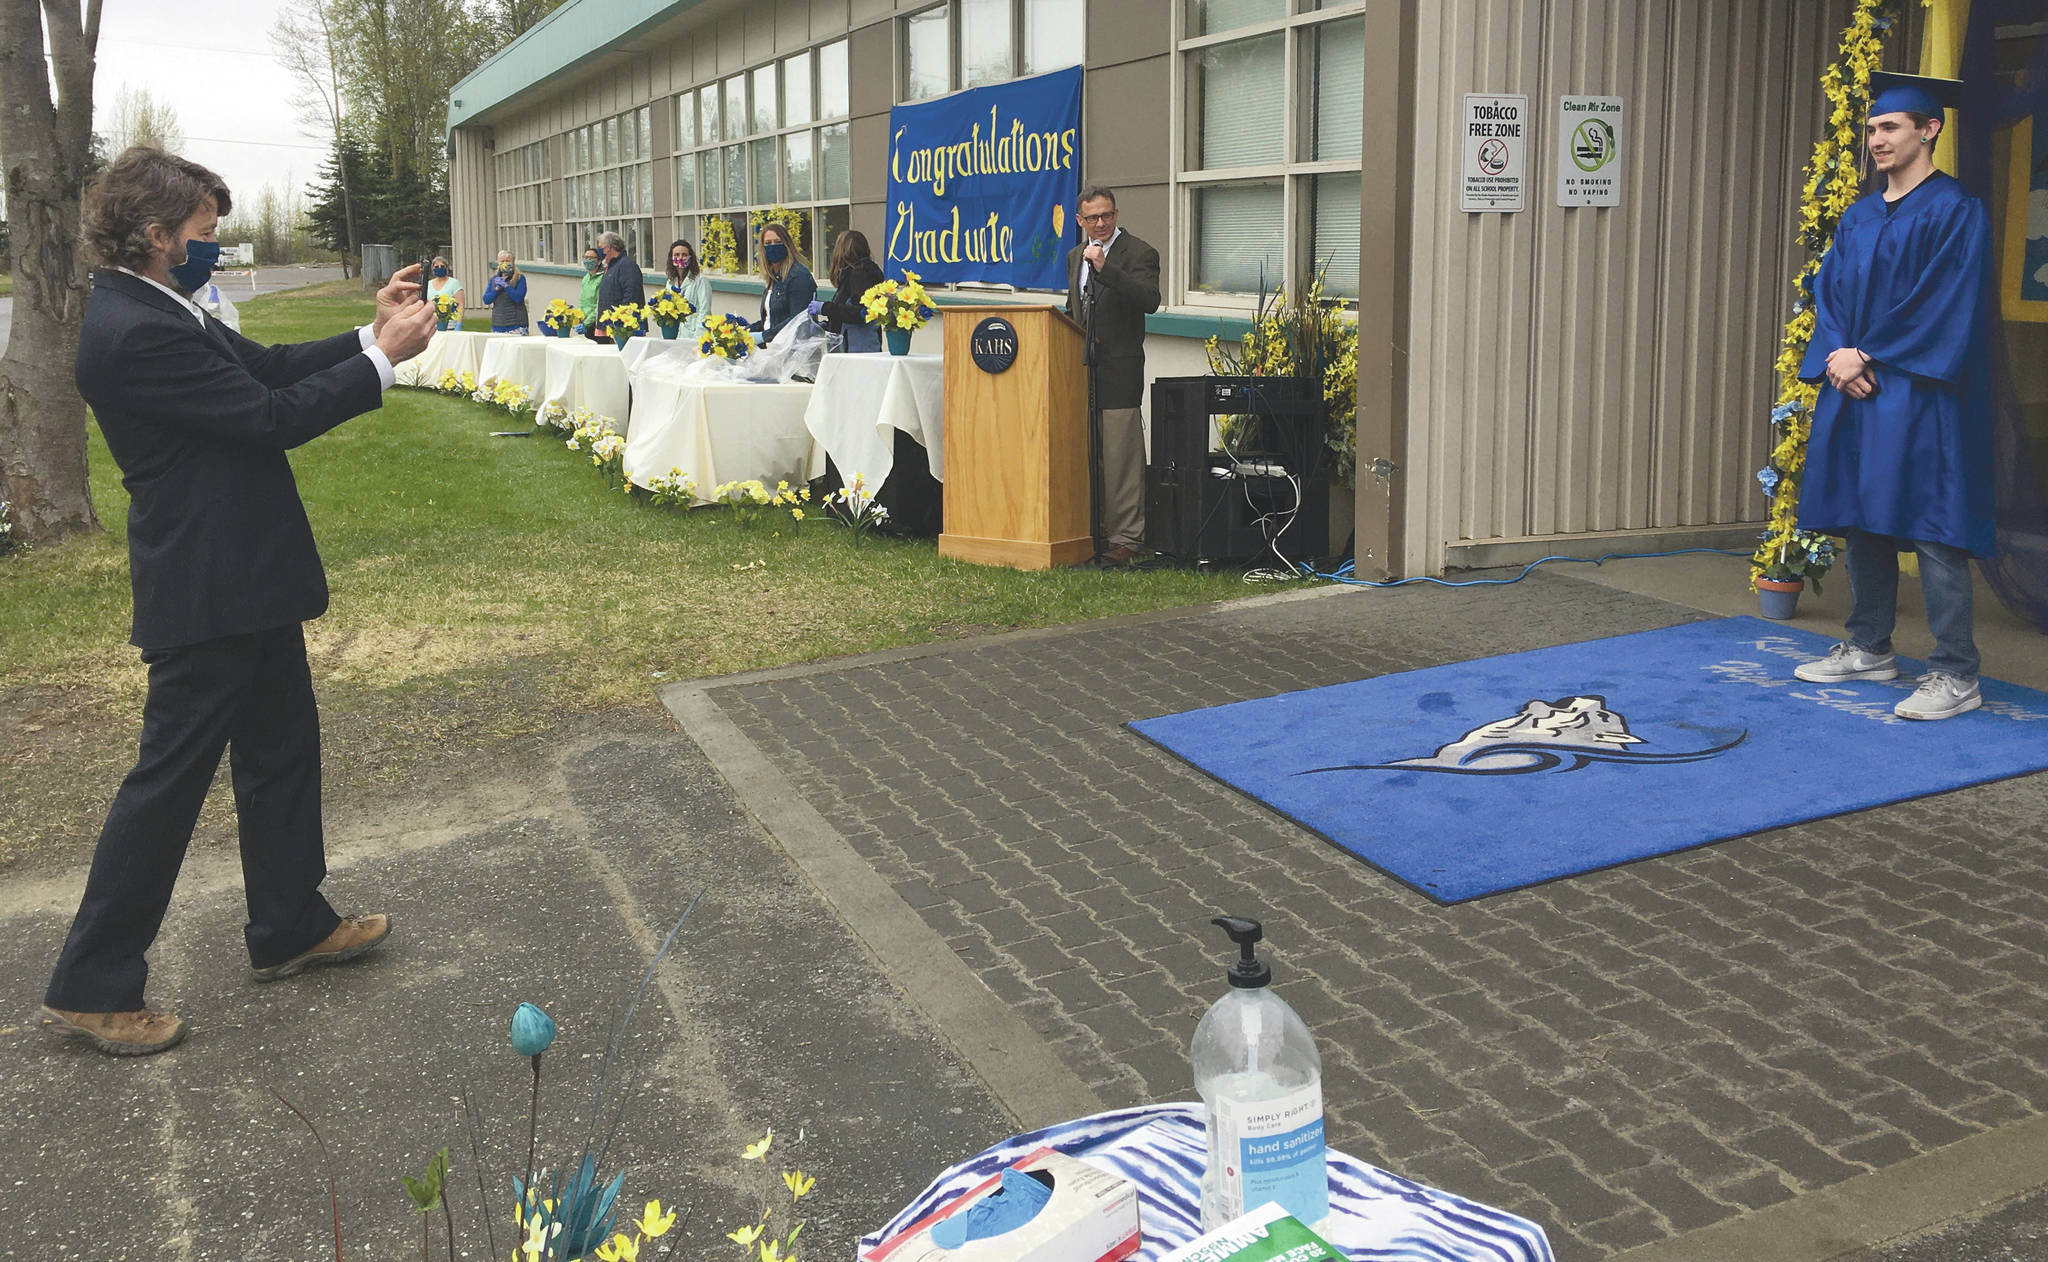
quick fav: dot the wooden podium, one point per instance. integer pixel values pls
(1017, 443)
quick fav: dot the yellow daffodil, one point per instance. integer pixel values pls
(653, 1223)
(797, 513)
(538, 1232)
(746, 1236)
(771, 1251)
(798, 1183)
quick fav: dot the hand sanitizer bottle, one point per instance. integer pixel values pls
(1261, 1081)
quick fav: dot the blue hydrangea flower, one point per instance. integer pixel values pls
(1768, 478)
(1785, 411)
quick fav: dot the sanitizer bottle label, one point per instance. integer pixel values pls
(1272, 1150)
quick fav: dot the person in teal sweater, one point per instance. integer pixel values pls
(593, 276)
(686, 277)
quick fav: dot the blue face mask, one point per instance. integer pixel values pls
(591, 265)
(200, 257)
(440, 271)
(775, 251)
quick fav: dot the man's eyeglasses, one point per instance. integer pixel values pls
(1104, 217)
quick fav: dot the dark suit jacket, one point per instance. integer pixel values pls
(199, 420)
(1127, 290)
(623, 284)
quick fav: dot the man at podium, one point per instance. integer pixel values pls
(1117, 275)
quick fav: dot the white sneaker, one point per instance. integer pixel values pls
(1846, 661)
(1940, 696)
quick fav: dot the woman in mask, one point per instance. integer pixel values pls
(854, 272)
(505, 295)
(443, 282)
(593, 276)
(686, 277)
(790, 286)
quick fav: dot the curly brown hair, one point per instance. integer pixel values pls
(145, 186)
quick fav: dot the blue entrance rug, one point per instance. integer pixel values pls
(1492, 775)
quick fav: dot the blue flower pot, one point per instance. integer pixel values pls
(899, 341)
(1777, 600)
(669, 331)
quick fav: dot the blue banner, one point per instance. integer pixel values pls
(982, 184)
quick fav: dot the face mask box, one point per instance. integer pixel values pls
(1266, 1234)
(1092, 1216)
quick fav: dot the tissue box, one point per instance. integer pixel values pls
(1267, 1234)
(1092, 1216)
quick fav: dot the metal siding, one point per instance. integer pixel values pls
(1596, 369)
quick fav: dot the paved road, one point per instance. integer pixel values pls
(238, 287)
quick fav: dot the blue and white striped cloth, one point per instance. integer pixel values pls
(1163, 1149)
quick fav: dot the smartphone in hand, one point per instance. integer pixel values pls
(426, 278)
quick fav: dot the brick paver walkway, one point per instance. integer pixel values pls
(1622, 1056)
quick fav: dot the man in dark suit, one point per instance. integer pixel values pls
(624, 284)
(224, 570)
(1119, 275)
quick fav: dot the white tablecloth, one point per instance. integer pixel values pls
(642, 351)
(861, 399)
(715, 433)
(1162, 1149)
(587, 374)
(523, 361)
(450, 349)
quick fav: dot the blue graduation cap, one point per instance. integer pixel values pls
(1913, 94)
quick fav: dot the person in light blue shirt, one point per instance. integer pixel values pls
(686, 277)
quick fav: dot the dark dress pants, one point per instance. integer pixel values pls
(253, 695)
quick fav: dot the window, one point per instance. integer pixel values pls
(526, 206)
(1271, 169)
(609, 184)
(968, 43)
(772, 135)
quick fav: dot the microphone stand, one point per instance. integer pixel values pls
(1095, 528)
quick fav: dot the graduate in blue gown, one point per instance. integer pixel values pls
(1900, 453)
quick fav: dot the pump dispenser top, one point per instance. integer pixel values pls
(1247, 972)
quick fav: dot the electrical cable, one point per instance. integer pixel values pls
(1343, 573)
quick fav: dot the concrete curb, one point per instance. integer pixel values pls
(1021, 1071)
(1916, 1195)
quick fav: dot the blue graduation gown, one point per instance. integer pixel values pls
(1907, 289)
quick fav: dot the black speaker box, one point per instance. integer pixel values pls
(1205, 505)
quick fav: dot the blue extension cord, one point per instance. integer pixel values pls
(1342, 574)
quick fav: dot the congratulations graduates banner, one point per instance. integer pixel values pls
(982, 183)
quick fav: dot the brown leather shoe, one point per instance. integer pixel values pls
(137, 1033)
(1116, 558)
(354, 936)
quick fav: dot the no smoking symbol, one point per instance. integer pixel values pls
(1493, 157)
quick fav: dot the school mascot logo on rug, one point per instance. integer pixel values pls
(1543, 736)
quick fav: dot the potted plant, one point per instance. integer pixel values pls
(560, 317)
(448, 311)
(725, 337)
(898, 308)
(670, 309)
(623, 321)
(1779, 577)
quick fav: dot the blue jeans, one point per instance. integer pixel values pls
(863, 337)
(1873, 563)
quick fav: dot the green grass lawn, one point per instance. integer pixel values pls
(6, 284)
(482, 587)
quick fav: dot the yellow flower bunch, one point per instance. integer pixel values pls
(671, 309)
(1309, 337)
(672, 490)
(721, 250)
(754, 1240)
(627, 317)
(1831, 187)
(900, 305)
(562, 314)
(448, 306)
(449, 382)
(726, 337)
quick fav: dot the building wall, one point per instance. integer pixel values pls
(1586, 370)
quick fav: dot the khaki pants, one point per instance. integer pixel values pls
(1123, 477)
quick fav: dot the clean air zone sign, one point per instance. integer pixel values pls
(1496, 153)
(1589, 151)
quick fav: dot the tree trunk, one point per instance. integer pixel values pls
(45, 147)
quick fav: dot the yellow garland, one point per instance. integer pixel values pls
(1831, 188)
(721, 250)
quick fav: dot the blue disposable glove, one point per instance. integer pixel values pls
(1007, 1208)
(816, 307)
